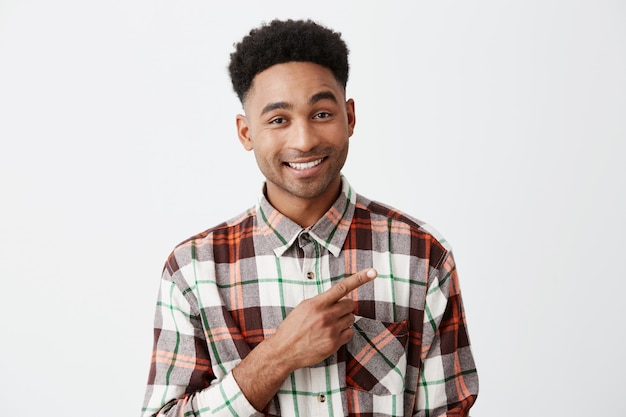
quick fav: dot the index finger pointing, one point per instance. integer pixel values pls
(347, 285)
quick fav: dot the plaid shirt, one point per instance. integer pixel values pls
(227, 289)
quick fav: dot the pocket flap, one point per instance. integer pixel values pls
(376, 356)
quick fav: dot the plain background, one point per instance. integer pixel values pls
(501, 123)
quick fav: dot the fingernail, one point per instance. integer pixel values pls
(371, 273)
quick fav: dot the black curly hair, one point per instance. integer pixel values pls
(287, 41)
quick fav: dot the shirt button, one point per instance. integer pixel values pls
(321, 398)
(306, 237)
(310, 275)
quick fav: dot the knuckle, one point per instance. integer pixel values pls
(341, 287)
(347, 334)
(325, 318)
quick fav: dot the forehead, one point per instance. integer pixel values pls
(291, 82)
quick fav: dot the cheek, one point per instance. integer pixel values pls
(264, 154)
(268, 145)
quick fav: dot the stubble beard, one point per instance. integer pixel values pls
(314, 187)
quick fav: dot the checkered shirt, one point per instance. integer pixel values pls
(227, 289)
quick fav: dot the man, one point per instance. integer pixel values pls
(317, 301)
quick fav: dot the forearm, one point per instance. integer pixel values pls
(223, 398)
(182, 364)
(247, 389)
(261, 374)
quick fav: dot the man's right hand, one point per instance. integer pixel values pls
(319, 326)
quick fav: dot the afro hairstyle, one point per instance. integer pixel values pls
(287, 41)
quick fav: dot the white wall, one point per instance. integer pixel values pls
(503, 124)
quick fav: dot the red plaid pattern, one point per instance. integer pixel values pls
(225, 290)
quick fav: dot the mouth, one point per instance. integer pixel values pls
(304, 165)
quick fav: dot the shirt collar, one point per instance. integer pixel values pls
(329, 231)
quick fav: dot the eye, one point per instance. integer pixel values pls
(277, 121)
(322, 115)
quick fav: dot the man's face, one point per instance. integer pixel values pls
(298, 124)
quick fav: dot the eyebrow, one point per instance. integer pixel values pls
(274, 106)
(323, 95)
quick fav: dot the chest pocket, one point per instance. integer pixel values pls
(376, 356)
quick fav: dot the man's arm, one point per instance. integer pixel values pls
(181, 369)
(313, 331)
(448, 383)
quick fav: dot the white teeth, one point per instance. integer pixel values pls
(306, 165)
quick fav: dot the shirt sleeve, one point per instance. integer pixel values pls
(448, 382)
(181, 379)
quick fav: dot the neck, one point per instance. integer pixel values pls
(303, 211)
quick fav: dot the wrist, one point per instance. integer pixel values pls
(261, 373)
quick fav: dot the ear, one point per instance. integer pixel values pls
(351, 116)
(243, 132)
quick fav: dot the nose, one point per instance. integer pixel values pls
(304, 137)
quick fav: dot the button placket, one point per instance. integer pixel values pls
(311, 271)
(309, 251)
(309, 265)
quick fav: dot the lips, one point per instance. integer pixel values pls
(305, 165)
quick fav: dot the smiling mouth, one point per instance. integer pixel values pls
(305, 165)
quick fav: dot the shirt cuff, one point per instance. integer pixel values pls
(226, 399)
